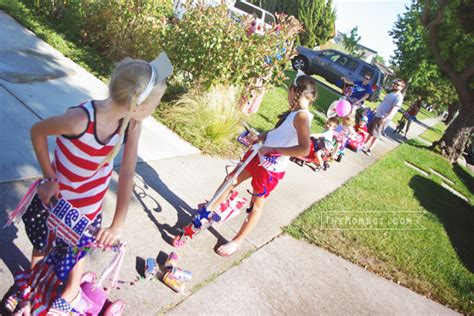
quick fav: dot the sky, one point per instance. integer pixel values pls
(374, 19)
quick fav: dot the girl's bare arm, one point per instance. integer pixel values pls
(110, 235)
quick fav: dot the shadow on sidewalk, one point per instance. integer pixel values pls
(10, 254)
(389, 133)
(150, 179)
(456, 215)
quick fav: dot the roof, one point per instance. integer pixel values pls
(384, 68)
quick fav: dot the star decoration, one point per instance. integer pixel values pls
(203, 213)
(188, 231)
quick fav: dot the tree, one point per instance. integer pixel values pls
(317, 16)
(434, 51)
(450, 44)
(379, 59)
(351, 40)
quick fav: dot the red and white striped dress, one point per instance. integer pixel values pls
(76, 160)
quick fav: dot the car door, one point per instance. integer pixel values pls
(325, 63)
(344, 67)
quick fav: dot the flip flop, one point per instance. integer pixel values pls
(228, 249)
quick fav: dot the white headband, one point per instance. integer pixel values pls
(142, 97)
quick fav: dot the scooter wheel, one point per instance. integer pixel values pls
(115, 309)
(178, 242)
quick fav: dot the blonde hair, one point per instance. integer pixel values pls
(348, 121)
(128, 81)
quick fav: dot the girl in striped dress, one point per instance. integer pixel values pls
(88, 137)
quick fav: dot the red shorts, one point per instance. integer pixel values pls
(263, 181)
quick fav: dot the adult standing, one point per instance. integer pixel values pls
(384, 113)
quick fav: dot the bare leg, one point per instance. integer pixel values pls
(74, 281)
(319, 158)
(368, 139)
(244, 175)
(251, 220)
(373, 142)
(36, 256)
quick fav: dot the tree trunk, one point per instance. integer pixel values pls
(458, 133)
(452, 109)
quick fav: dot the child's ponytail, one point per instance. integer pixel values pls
(303, 85)
(129, 81)
(122, 130)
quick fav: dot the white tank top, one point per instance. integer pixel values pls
(283, 136)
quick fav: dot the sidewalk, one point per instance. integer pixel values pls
(36, 82)
(166, 192)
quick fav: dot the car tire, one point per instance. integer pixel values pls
(300, 62)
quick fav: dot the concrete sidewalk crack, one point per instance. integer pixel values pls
(21, 101)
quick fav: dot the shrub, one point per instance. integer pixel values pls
(210, 120)
(115, 28)
(209, 48)
(126, 28)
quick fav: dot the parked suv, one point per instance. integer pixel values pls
(332, 65)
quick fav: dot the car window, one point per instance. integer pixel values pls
(269, 19)
(335, 57)
(347, 63)
(367, 71)
(327, 53)
(352, 65)
(248, 9)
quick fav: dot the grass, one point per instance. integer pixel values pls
(434, 133)
(402, 225)
(60, 36)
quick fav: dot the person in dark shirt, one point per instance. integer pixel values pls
(361, 90)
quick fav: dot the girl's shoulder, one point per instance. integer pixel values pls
(77, 118)
(303, 113)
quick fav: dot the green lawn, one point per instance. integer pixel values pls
(434, 133)
(402, 225)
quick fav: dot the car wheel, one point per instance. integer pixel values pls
(300, 63)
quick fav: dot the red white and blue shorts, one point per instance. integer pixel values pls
(263, 180)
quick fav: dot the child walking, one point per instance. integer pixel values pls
(88, 137)
(290, 137)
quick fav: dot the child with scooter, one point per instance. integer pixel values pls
(88, 137)
(290, 137)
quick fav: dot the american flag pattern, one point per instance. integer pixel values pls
(67, 222)
(340, 133)
(44, 283)
(268, 161)
(76, 160)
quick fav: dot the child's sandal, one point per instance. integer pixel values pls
(12, 302)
